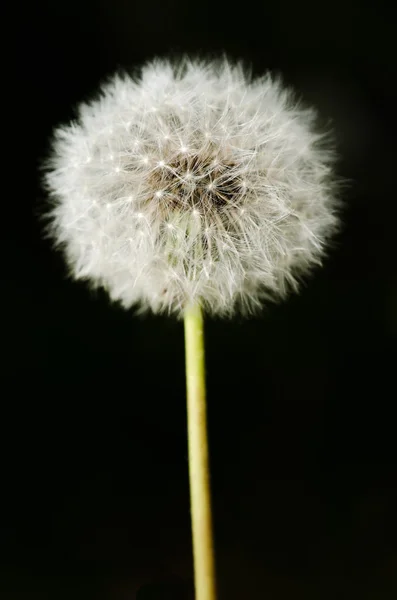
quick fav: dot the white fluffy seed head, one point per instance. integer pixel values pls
(192, 183)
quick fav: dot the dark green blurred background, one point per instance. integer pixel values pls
(301, 399)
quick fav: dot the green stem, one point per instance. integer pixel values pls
(200, 496)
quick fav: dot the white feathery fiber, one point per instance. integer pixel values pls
(192, 183)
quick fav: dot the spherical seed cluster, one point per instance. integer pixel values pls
(192, 183)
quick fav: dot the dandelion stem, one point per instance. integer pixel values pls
(200, 497)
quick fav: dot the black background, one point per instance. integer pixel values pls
(300, 399)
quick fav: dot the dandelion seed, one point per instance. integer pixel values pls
(263, 186)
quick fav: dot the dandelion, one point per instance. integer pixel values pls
(193, 188)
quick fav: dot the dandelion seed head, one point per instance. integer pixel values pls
(222, 193)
